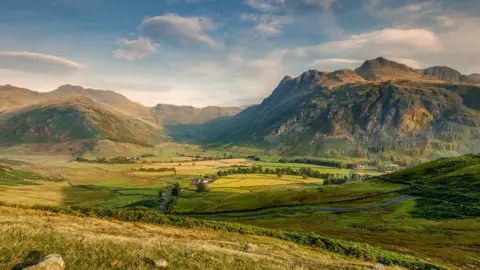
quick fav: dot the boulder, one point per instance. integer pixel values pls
(50, 262)
(160, 263)
(249, 248)
(379, 266)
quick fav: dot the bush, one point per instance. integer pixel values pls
(202, 187)
(176, 189)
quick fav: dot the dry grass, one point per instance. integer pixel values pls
(87, 243)
(43, 192)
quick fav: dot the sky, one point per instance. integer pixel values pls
(223, 52)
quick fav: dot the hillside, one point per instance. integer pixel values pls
(105, 97)
(110, 115)
(73, 118)
(110, 244)
(401, 111)
(12, 97)
(172, 114)
(449, 187)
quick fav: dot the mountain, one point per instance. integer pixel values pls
(12, 97)
(30, 116)
(172, 114)
(106, 97)
(74, 118)
(381, 69)
(472, 78)
(444, 73)
(392, 109)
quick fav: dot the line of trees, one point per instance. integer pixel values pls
(156, 170)
(354, 177)
(308, 172)
(320, 162)
(329, 178)
(115, 160)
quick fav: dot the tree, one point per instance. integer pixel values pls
(305, 177)
(176, 189)
(279, 175)
(202, 187)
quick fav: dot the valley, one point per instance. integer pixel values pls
(380, 155)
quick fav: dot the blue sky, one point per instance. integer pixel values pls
(223, 52)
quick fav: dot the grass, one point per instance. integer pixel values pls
(275, 195)
(449, 187)
(252, 180)
(349, 249)
(450, 242)
(403, 227)
(25, 235)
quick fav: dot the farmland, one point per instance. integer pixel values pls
(375, 211)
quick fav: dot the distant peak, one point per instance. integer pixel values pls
(286, 79)
(311, 75)
(444, 73)
(69, 87)
(381, 68)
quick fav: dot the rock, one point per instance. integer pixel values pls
(379, 266)
(160, 263)
(50, 262)
(249, 248)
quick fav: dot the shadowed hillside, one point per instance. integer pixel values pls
(77, 118)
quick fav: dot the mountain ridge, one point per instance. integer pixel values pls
(401, 111)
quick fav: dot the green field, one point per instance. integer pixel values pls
(375, 211)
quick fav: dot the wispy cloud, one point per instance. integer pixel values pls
(178, 30)
(136, 48)
(37, 63)
(267, 25)
(265, 5)
(326, 4)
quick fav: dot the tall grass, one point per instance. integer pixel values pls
(349, 249)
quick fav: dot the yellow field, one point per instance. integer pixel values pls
(49, 193)
(250, 180)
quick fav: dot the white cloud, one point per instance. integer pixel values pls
(185, 31)
(264, 5)
(326, 4)
(267, 25)
(136, 48)
(37, 63)
(446, 21)
(385, 41)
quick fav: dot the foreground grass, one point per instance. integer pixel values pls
(349, 249)
(87, 243)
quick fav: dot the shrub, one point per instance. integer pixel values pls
(202, 187)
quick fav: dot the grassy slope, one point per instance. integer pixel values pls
(74, 118)
(449, 187)
(88, 243)
(352, 250)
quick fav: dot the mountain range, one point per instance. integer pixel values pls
(382, 106)
(76, 113)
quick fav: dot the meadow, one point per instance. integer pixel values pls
(375, 211)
